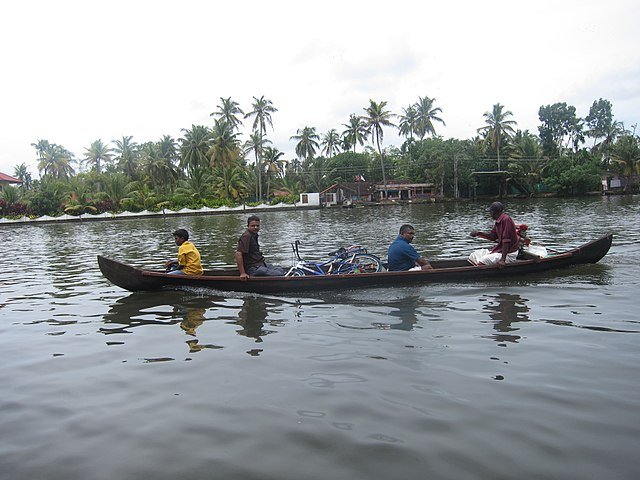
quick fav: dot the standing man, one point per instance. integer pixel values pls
(504, 234)
(249, 258)
(188, 262)
(402, 256)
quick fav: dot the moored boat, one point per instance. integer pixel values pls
(452, 270)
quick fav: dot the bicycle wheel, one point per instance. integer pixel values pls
(295, 272)
(365, 263)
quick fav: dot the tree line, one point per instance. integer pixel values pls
(217, 164)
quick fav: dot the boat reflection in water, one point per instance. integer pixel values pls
(168, 308)
(504, 310)
(252, 317)
(190, 311)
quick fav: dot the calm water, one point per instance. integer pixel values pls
(534, 378)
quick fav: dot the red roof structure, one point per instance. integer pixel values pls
(8, 179)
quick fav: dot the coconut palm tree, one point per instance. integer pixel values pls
(79, 200)
(262, 109)
(256, 144)
(426, 114)
(235, 188)
(115, 188)
(497, 127)
(140, 196)
(356, 131)
(97, 154)
(54, 160)
(22, 174)
(225, 151)
(127, 156)
(41, 146)
(273, 164)
(626, 153)
(291, 184)
(159, 161)
(197, 186)
(9, 194)
(228, 110)
(609, 135)
(330, 143)
(408, 125)
(194, 146)
(307, 142)
(376, 118)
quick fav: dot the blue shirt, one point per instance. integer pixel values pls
(402, 256)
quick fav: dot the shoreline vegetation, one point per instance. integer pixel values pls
(226, 166)
(105, 216)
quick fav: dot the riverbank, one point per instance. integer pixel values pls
(87, 217)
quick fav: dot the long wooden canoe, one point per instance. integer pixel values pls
(454, 270)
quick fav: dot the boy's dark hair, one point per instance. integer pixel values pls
(405, 228)
(182, 233)
(253, 218)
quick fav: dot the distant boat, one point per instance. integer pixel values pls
(138, 279)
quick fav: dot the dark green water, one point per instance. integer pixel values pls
(531, 378)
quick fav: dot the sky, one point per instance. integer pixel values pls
(73, 72)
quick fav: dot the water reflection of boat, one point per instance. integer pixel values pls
(456, 270)
(506, 310)
(191, 311)
(168, 308)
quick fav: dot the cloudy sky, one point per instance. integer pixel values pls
(77, 71)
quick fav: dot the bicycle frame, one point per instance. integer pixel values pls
(339, 263)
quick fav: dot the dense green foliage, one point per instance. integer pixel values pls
(213, 165)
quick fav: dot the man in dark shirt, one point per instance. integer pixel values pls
(249, 258)
(505, 236)
(402, 256)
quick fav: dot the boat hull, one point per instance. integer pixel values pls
(136, 279)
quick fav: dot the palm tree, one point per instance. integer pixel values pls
(41, 147)
(228, 110)
(79, 200)
(54, 160)
(307, 142)
(291, 184)
(139, 196)
(262, 109)
(626, 153)
(197, 186)
(127, 156)
(10, 194)
(610, 133)
(194, 147)
(236, 185)
(96, 154)
(526, 145)
(497, 126)
(225, 151)
(408, 124)
(115, 190)
(256, 144)
(330, 143)
(22, 174)
(159, 162)
(273, 164)
(377, 117)
(426, 114)
(356, 131)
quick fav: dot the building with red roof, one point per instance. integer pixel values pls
(8, 180)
